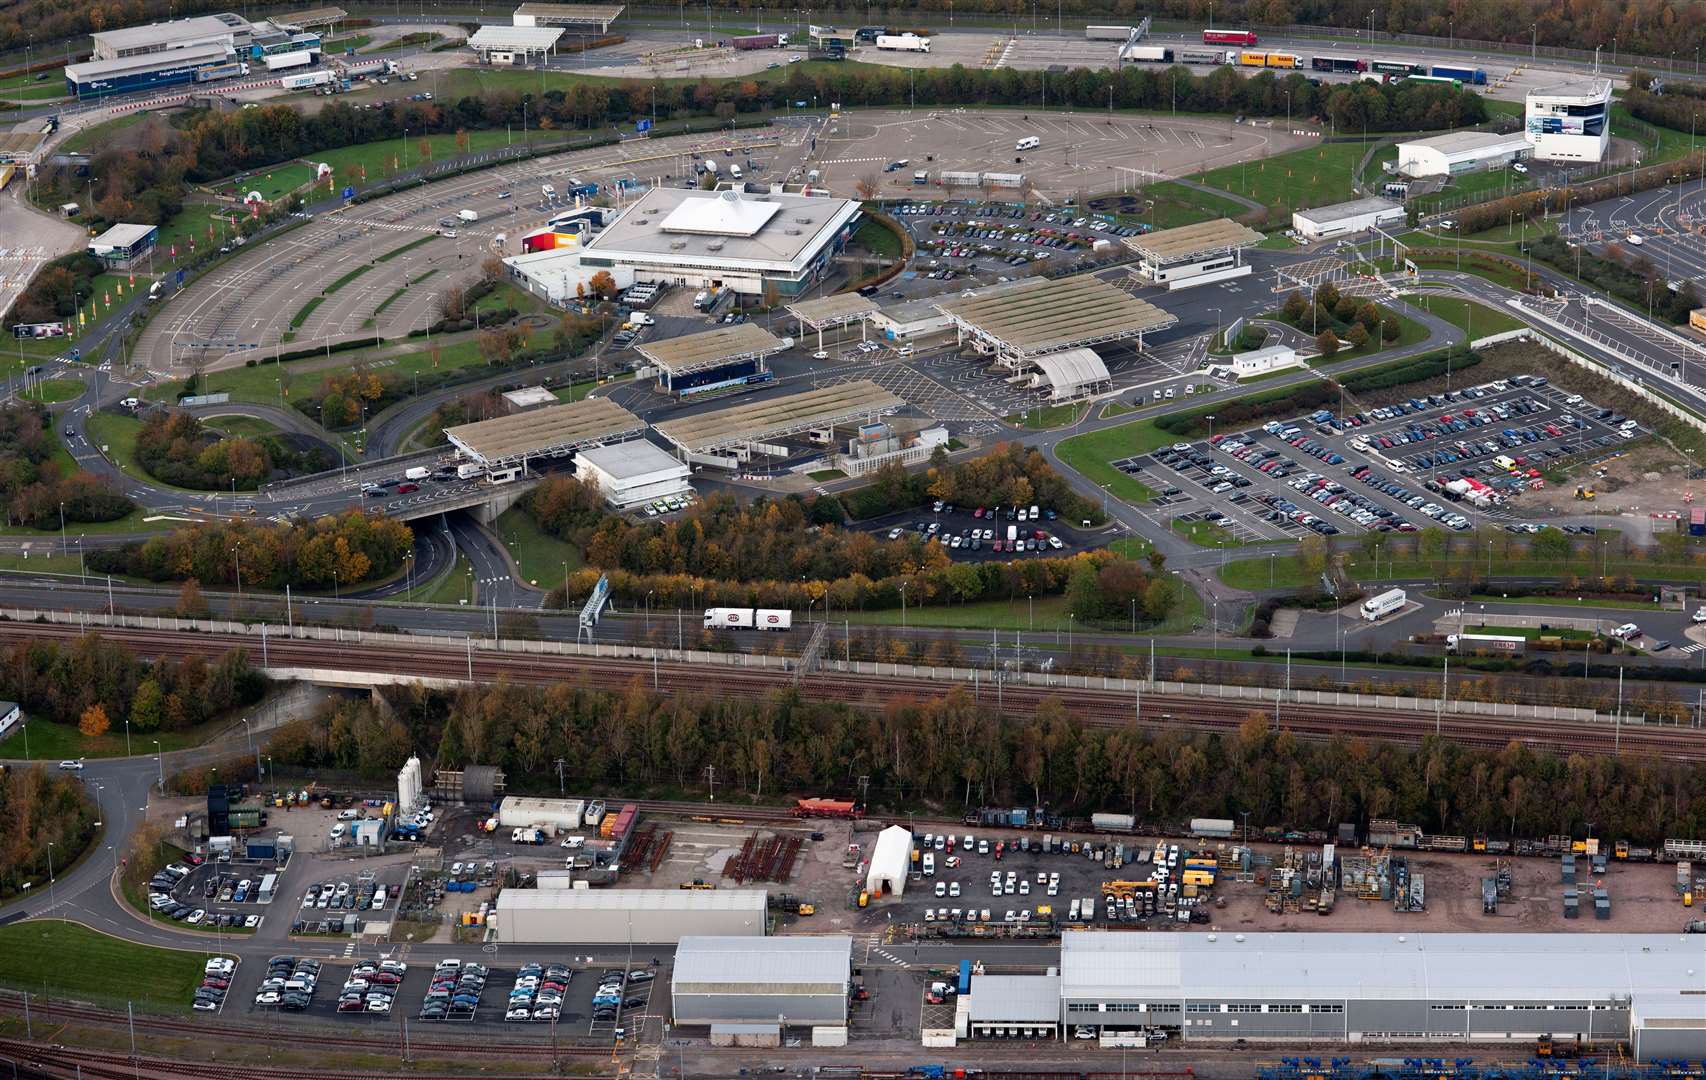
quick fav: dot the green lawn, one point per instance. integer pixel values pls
(1271, 571)
(578, 391)
(52, 391)
(348, 43)
(877, 238)
(1313, 176)
(504, 296)
(1174, 204)
(451, 587)
(273, 183)
(1277, 242)
(116, 435)
(64, 960)
(1475, 320)
(1444, 258)
(1253, 573)
(1091, 453)
(381, 159)
(1504, 181)
(248, 427)
(91, 139)
(539, 556)
(1044, 417)
(478, 82)
(49, 741)
(1206, 534)
(1043, 613)
(261, 384)
(1568, 601)
(52, 90)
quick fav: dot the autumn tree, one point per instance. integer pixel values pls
(1327, 342)
(191, 603)
(1357, 335)
(93, 723)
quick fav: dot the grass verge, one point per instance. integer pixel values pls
(64, 960)
(1091, 453)
(539, 556)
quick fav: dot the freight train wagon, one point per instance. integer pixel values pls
(834, 808)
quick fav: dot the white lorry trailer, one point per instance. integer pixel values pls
(1383, 605)
(748, 619)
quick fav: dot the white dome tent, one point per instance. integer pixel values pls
(891, 861)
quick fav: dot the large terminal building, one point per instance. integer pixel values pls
(1570, 122)
(726, 239)
(195, 50)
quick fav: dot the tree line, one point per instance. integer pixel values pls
(39, 809)
(331, 552)
(93, 682)
(35, 483)
(953, 750)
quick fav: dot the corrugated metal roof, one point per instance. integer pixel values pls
(829, 310)
(515, 37)
(1016, 999)
(1068, 371)
(599, 13)
(1099, 965)
(1462, 142)
(542, 430)
(1205, 237)
(710, 347)
(817, 959)
(1038, 315)
(633, 899)
(779, 416)
(1321, 215)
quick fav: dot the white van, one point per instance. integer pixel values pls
(734, 172)
(1030, 142)
(929, 864)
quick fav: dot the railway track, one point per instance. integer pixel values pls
(366, 1040)
(1095, 707)
(71, 1061)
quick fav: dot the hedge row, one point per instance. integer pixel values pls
(1415, 369)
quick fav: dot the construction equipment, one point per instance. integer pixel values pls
(1584, 493)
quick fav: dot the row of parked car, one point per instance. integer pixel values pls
(365, 895)
(290, 983)
(1409, 498)
(612, 995)
(215, 983)
(455, 990)
(372, 987)
(538, 992)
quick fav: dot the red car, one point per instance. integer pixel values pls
(404, 489)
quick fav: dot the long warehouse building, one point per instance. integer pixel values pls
(620, 916)
(1648, 990)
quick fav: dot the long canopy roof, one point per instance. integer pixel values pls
(591, 422)
(779, 416)
(1039, 315)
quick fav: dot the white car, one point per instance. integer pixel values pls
(953, 888)
(1628, 632)
(1700, 615)
(820, 355)
(1635, 239)
(71, 766)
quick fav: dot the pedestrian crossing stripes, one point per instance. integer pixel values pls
(1694, 648)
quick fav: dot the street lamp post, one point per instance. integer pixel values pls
(160, 760)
